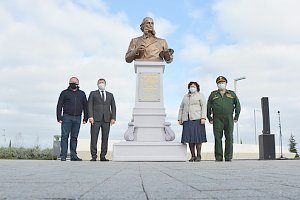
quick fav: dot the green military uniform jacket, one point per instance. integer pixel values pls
(223, 106)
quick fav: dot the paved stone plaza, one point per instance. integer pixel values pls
(240, 179)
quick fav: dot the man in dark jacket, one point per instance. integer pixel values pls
(102, 114)
(72, 101)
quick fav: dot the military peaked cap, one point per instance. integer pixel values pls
(221, 79)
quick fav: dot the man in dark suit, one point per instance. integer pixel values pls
(102, 114)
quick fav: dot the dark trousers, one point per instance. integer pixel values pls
(70, 125)
(223, 124)
(95, 128)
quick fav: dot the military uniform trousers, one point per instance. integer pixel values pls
(223, 124)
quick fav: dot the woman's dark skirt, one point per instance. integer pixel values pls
(193, 132)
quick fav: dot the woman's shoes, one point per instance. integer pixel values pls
(192, 159)
(198, 159)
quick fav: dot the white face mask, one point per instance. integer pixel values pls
(193, 89)
(101, 86)
(221, 86)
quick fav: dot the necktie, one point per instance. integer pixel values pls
(102, 95)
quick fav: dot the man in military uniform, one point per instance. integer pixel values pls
(221, 106)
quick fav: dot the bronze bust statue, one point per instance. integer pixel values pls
(148, 46)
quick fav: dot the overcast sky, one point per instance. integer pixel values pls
(44, 43)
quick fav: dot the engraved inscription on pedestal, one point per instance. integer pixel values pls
(149, 86)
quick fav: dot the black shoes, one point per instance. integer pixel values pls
(192, 159)
(104, 159)
(198, 159)
(76, 159)
(101, 159)
(226, 160)
(72, 159)
(79, 159)
(94, 158)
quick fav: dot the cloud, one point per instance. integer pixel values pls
(265, 49)
(162, 26)
(196, 14)
(43, 44)
(92, 5)
(196, 49)
(267, 21)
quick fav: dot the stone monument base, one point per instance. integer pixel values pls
(149, 151)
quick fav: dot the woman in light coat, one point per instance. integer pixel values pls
(192, 115)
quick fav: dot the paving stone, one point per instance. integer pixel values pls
(242, 179)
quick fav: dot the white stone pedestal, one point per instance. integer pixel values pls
(149, 151)
(149, 137)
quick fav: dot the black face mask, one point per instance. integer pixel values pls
(73, 86)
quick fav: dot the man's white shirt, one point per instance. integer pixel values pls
(104, 93)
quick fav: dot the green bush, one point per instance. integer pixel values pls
(35, 153)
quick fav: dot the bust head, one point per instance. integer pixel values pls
(147, 26)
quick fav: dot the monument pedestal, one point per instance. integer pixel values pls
(149, 151)
(149, 137)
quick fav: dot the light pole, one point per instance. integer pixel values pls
(235, 90)
(255, 125)
(280, 135)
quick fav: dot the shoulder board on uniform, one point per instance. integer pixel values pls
(230, 94)
(215, 94)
